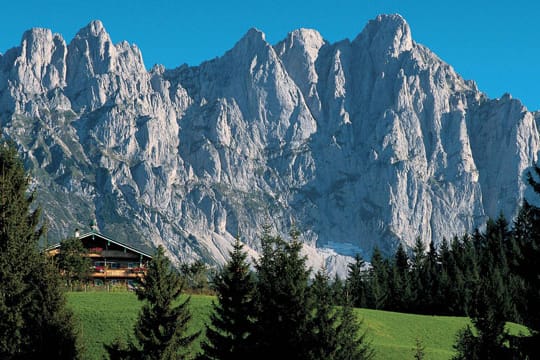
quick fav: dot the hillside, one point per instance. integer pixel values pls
(106, 316)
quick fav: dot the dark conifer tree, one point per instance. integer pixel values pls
(283, 303)
(335, 332)
(417, 275)
(73, 262)
(492, 303)
(379, 281)
(525, 265)
(433, 301)
(352, 342)
(448, 280)
(229, 335)
(162, 328)
(466, 345)
(400, 289)
(355, 283)
(34, 320)
(468, 264)
(488, 317)
(339, 291)
(323, 337)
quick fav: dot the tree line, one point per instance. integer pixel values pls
(272, 311)
(491, 276)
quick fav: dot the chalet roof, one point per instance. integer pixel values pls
(106, 238)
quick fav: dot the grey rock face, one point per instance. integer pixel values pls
(359, 144)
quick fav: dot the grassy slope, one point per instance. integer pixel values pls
(106, 316)
(394, 335)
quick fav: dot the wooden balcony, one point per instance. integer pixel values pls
(118, 274)
(118, 254)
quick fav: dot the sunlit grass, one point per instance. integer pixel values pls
(107, 316)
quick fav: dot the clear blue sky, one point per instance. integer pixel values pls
(496, 43)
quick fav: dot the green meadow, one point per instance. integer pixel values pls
(106, 316)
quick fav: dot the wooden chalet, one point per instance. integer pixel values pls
(112, 261)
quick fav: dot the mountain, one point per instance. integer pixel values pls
(358, 144)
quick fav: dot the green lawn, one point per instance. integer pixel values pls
(106, 316)
(394, 335)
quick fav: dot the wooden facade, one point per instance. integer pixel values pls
(112, 261)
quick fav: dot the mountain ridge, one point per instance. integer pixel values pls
(358, 143)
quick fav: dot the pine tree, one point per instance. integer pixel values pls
(323, 338)
(229, 336)
(525, 265)
(35, 321)
(418, 267)
(468, 264)
(73, 262)
(283, 303)
(433, 300)
(489, 319)
(419, 350)
(448, 281)
(355, 282)
(352, 343)
(335, 332)
(162, 327)
(400, 289)
(466, 345)
(339, 290)
(378, 281)
(491, 304)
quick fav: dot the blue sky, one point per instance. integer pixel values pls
(495, 43)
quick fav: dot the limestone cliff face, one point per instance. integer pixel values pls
(359, 144)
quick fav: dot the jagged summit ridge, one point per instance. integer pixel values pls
(388, 32)
(359, 143)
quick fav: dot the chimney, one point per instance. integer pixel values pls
(77, 234)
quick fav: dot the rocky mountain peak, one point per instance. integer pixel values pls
(387, 34)
(251, 43)
(309, 40)
(94, 29)
(299, 53)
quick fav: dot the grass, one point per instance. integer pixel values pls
(106, 316)
(394, 335)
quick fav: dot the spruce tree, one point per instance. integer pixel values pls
(491, 304)
(400, 289)
(34, 319)
(162, 327)
(448, 280)
(489, 319)
(456, 291)
(335, 332)
(339, 290)
(378, 281)
(433, 301)
(355, 282)
(525, 265)
(352, 342)
(323, 338)
(418, 261)
(73, 262)
(229, 335)
(283, 302)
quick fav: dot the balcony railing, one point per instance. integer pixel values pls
(100, 272)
